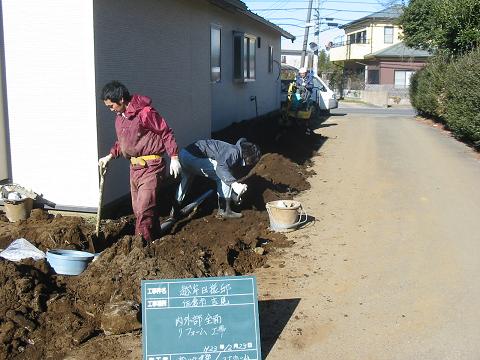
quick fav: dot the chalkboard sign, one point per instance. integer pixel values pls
(201, 319)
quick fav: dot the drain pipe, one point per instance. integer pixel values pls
(254, 98)
(167, 225)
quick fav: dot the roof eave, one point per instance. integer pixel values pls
(392, 57)
(371, 17)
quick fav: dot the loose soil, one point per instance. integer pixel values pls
(45, 316)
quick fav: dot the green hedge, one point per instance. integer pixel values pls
(427, 89)
(463, 97)
(450, 92)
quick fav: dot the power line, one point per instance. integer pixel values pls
(277, 3)
(306, 8)
(300, 20)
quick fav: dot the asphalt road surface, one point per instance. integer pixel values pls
(390, 269)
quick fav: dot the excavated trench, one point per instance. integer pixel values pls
(44, 315)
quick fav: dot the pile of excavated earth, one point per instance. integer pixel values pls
(45, 315)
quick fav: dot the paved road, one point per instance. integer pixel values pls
(391, 267)
(352, 108)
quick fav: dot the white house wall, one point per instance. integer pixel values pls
(160, 49)
(377, 31)
(231, 100)
(375, 37)
(51, 98)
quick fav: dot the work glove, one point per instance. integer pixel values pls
(102, 162)
(175, 167)
(239, 188)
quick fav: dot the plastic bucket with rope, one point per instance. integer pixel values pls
(285, 215)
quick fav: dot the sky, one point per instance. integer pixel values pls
(291, 15)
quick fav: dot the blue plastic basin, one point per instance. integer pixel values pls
(69, 262)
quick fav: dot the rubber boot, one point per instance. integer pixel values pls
(224, 210)
(175, 211)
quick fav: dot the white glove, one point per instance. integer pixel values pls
(175, 167)
(239, 188)
(102, 162)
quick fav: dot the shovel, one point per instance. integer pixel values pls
(102, 172)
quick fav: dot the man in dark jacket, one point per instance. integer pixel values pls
(143, 136)
(215, 160)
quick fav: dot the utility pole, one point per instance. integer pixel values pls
(317, 32)
(305, 38)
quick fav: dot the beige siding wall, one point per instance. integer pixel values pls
(159, 49)
(231, 100)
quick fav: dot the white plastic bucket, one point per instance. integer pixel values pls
(285, 215)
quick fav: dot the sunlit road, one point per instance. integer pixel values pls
(390, 270)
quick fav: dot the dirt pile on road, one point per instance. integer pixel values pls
(44, 315)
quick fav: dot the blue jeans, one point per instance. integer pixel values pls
(192, 166)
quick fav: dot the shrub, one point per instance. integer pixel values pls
(463, 97)
(427, 89)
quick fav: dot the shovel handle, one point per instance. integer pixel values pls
(101, 172)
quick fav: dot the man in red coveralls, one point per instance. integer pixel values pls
(143, 136)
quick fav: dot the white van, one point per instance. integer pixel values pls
(324, 97)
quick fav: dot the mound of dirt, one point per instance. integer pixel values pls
(44, 315)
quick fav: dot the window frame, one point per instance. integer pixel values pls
(244, 63)
(359, 37)
(405, 85)
(270, 58)
(385, 28)
(371, 79)
(213, 79)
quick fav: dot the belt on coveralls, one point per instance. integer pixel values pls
(142, 160)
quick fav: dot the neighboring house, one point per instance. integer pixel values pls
(373, 55)
(200, 61)
(294, 57)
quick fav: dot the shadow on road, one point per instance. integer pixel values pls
(324, 125)
(274, 315)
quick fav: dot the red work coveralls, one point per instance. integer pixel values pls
(142, 131)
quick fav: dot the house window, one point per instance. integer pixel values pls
(351, 39)
(215, 53)
(361, 37)
(358, 37)
(244, 47)
(402, 78)
(270, 59)
(373, 77)
(388, 34)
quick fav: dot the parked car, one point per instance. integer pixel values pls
(325, 99)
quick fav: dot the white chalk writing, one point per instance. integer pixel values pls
(188, 290)
(200, 325)
(200, 357)
(156, 303)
